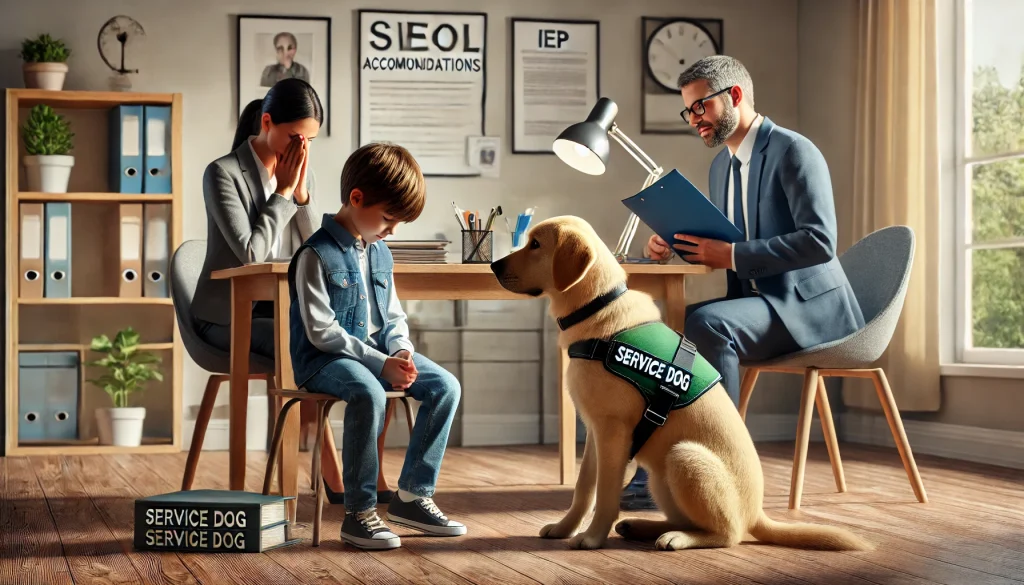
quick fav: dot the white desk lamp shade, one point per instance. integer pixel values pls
(579, 157)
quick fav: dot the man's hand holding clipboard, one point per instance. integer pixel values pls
(684, 220)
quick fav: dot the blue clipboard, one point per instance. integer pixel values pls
(672, 205)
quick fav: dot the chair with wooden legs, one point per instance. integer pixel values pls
(878, 268)
(186, 264)
(323, 404)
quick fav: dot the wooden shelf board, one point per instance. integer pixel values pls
(93, 449)
(27, 196)
(86, 99)
(85, 346)
(97, 301)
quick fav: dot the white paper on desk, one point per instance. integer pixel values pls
(484, 154)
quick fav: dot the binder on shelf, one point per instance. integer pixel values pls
(125, 140)
(130, 231)
(57, 262)
(155, 254)
(30, 266)
(48, 395)
(157, 159)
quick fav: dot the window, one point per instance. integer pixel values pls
(990, 183)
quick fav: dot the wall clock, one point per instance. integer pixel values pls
(670, 46)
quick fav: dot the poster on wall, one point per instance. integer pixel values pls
(272, 48)
(670, 46)
(422, 84)
(555, 79)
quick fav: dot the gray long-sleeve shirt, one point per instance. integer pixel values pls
(323, 329)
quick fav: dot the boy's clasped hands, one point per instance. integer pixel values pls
(399, 370)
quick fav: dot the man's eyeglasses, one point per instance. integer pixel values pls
(698, 106)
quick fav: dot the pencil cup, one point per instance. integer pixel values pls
(477, 246)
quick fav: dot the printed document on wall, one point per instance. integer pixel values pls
(422, 83)
(555, 76)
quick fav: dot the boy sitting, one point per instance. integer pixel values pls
(350, 339)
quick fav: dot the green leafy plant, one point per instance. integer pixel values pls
(44, 49)
(46, 132)
(128, 369)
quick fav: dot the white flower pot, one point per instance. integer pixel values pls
(49, 173)
(120, 426)
(45, 75)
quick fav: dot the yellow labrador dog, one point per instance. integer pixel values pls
(704, 472)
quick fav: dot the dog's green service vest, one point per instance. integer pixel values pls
(659, 362)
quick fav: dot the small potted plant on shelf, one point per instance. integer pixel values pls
(128, 370)
(45, 62)
(47, 137)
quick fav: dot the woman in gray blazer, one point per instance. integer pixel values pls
(259, 204)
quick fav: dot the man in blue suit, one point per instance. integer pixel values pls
(786, 288)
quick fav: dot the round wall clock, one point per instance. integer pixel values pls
(673, 47)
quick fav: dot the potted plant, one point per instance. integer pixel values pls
(128, 369)
(45, 62)
(47, 137)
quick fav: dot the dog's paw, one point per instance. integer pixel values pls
(586, 541)
(557, 530)
(623, 527)
(673, 541)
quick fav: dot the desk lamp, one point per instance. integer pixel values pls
(584, 147)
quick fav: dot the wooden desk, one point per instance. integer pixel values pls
(269, 281)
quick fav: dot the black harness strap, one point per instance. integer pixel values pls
(588, 310)
(660, 405)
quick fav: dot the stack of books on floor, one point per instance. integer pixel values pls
(419, 251)
(211, 521)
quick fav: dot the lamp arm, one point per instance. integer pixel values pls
(654, 171)
(641, 157)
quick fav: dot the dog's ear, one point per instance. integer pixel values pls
(572, 259)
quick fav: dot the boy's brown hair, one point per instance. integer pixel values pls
(385, 173)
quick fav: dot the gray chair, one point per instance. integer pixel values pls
(186, 264)
(880, 287)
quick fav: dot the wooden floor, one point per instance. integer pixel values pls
(69, 520)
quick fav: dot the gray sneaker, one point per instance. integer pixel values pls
(423, 515)
(366, 530)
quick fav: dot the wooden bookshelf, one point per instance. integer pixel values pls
(68, 324)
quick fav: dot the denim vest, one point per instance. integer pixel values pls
(337, 250)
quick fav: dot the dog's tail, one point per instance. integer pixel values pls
(806, 535)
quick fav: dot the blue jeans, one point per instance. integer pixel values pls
(438, 392)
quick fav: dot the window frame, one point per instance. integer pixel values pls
(964, 351)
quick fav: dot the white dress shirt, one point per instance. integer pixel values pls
(743, 153)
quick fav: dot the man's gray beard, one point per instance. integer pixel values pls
(726, 125)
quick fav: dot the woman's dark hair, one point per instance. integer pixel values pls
(288, 100)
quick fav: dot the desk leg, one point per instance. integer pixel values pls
(566, 423)
(241, 331)
(675, 301)
(288, 477)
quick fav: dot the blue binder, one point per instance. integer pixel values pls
(157, 157)
(48, 391)
(125, 157)
(57, 262)
(672, 205)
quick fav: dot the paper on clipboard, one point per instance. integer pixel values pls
(672, 205)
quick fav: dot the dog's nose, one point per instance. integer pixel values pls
(498, 267)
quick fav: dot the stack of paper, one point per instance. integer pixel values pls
(419, 251)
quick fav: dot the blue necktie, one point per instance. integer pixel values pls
(737, 197)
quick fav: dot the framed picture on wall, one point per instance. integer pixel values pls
(271, 48)
(670, 46)
(556, 79)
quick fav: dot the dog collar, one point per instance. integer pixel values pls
(588, 310)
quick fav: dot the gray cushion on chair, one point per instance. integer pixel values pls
(878, 268)
(186, 264)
